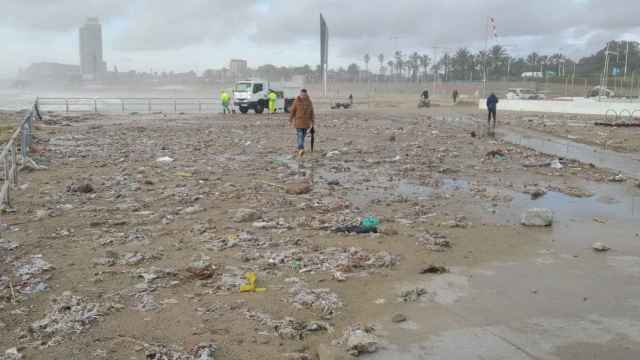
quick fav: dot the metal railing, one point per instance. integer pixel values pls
(175, 105)
(9, 155)
(625, 115)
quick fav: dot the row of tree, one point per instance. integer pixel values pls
(462, 64)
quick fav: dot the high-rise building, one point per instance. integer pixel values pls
(92, 65)
(238, 67)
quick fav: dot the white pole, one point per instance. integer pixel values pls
(626, 62)
(484, 66)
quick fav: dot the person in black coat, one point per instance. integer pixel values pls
(492, 107)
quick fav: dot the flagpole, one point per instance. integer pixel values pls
(484, 66)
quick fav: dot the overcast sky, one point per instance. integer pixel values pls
(182, 35)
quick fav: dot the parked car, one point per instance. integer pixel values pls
(524, 94)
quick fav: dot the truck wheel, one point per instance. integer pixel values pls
(259, 108)
(244, 110)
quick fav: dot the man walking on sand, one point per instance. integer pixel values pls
(492, 107)
(302, 118)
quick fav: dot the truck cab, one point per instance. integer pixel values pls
(254, 95)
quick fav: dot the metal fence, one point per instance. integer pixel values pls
(167, 105)
(20, 141)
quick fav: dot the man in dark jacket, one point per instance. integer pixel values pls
(492, 107)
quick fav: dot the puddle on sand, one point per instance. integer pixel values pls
(625, 207)
(627, 164)
(610, 203)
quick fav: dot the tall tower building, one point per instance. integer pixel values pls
(92, 66)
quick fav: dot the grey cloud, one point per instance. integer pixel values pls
(354, 25)
(57, 15)
(175, 24)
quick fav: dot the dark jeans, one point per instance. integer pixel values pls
(492, 112)
(300, 135)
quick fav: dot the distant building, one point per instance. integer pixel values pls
(237, 67)
(92, 64)
(46, 71)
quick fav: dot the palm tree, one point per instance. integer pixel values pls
(366, 59)
(532, 59)
(497, 59)
(391, 65)
(399, 62)
(415, 65)
(461, 64)
(381, 60)
(425, 61)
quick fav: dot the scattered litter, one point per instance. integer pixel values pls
(354, 229)
(83, 188)
(147, 303)
(165, 160)
(11, 354)
(535, 193)
(8, 244)
(287, 328)
(434, 269)
(555, 164)
(600, 247)
(250, 285)
(496, 153)
(412, 295)
(370, 223)
(203, 351)
(338, 276)
(201, 270)
(360, 340)
(192, 209)
(245, 215)
(298, 188)
(321, 299)
(398, 318)
(618, 178)
(67, 314)
(434, 241)
(31, 275)
(458, 222)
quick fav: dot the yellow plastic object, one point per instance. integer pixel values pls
(250, 286)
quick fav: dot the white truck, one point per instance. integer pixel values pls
(253, 94)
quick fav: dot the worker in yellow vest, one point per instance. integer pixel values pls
(272, 101)
(226, 100)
